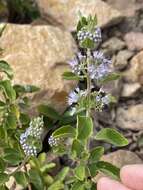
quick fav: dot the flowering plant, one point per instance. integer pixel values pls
(71, 132)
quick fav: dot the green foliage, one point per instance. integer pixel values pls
(22, 11)
(111, 136)
(70, 76)
(65, 131)
(71, 131)
(80, 172)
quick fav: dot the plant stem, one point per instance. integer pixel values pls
(88, 84)
(20, 166)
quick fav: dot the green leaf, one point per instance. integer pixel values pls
(96, 154)
(77, 147)
(108, 169)
(21, 178)
(70, 76)
(11, 121)
(47, 167)
(93, 169)
(78, 186)
(84, 127)
(12, 156)
(5, 67)
(111, 136)
(26, 89)
(24, 118)
(3, 187)
(62, 174)
(82, 22)
(58, 185)
(2, 165)
(65, 131)
(80, 172)
(3, 178)
(35, 179)
(8, 90)
(110, 77)
(49, 112)
(88, 43)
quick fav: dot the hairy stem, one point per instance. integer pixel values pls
(88, 84)
(20, 166)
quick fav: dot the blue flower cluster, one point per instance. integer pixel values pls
(33, 132)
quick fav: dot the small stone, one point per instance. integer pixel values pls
(134, 41)
(66, 13)
(130, 89)
(39, 56)
(121, 60)
(120, 158)
(130, 117)
(135, 72)
(113, 45)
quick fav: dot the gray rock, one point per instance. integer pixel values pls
(65, 13)
(134, 40)
(113, 45)
(130, 117)
(135, 72)
(121, 60)
(130, 89)
(127, 7)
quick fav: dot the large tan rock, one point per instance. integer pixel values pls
(120, 158)
(130, 117)
(135, 73)
(65, 12)
(38, 56)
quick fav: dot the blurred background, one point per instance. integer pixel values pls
(122, 29)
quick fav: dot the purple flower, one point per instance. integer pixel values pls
(75, 95)
(100, 66)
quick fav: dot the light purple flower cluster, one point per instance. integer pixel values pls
(103, 100)
(100, 66)
(34, 131)
(76, 63)
(94, 36)
(75, 95)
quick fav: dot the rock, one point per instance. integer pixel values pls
(121, 60)
(113, 45)
(130, 117)
(65, 13)
(135, 73)
(128, 7)
(130, 89)
(38, 56)
(134, 40)
(120, 158)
